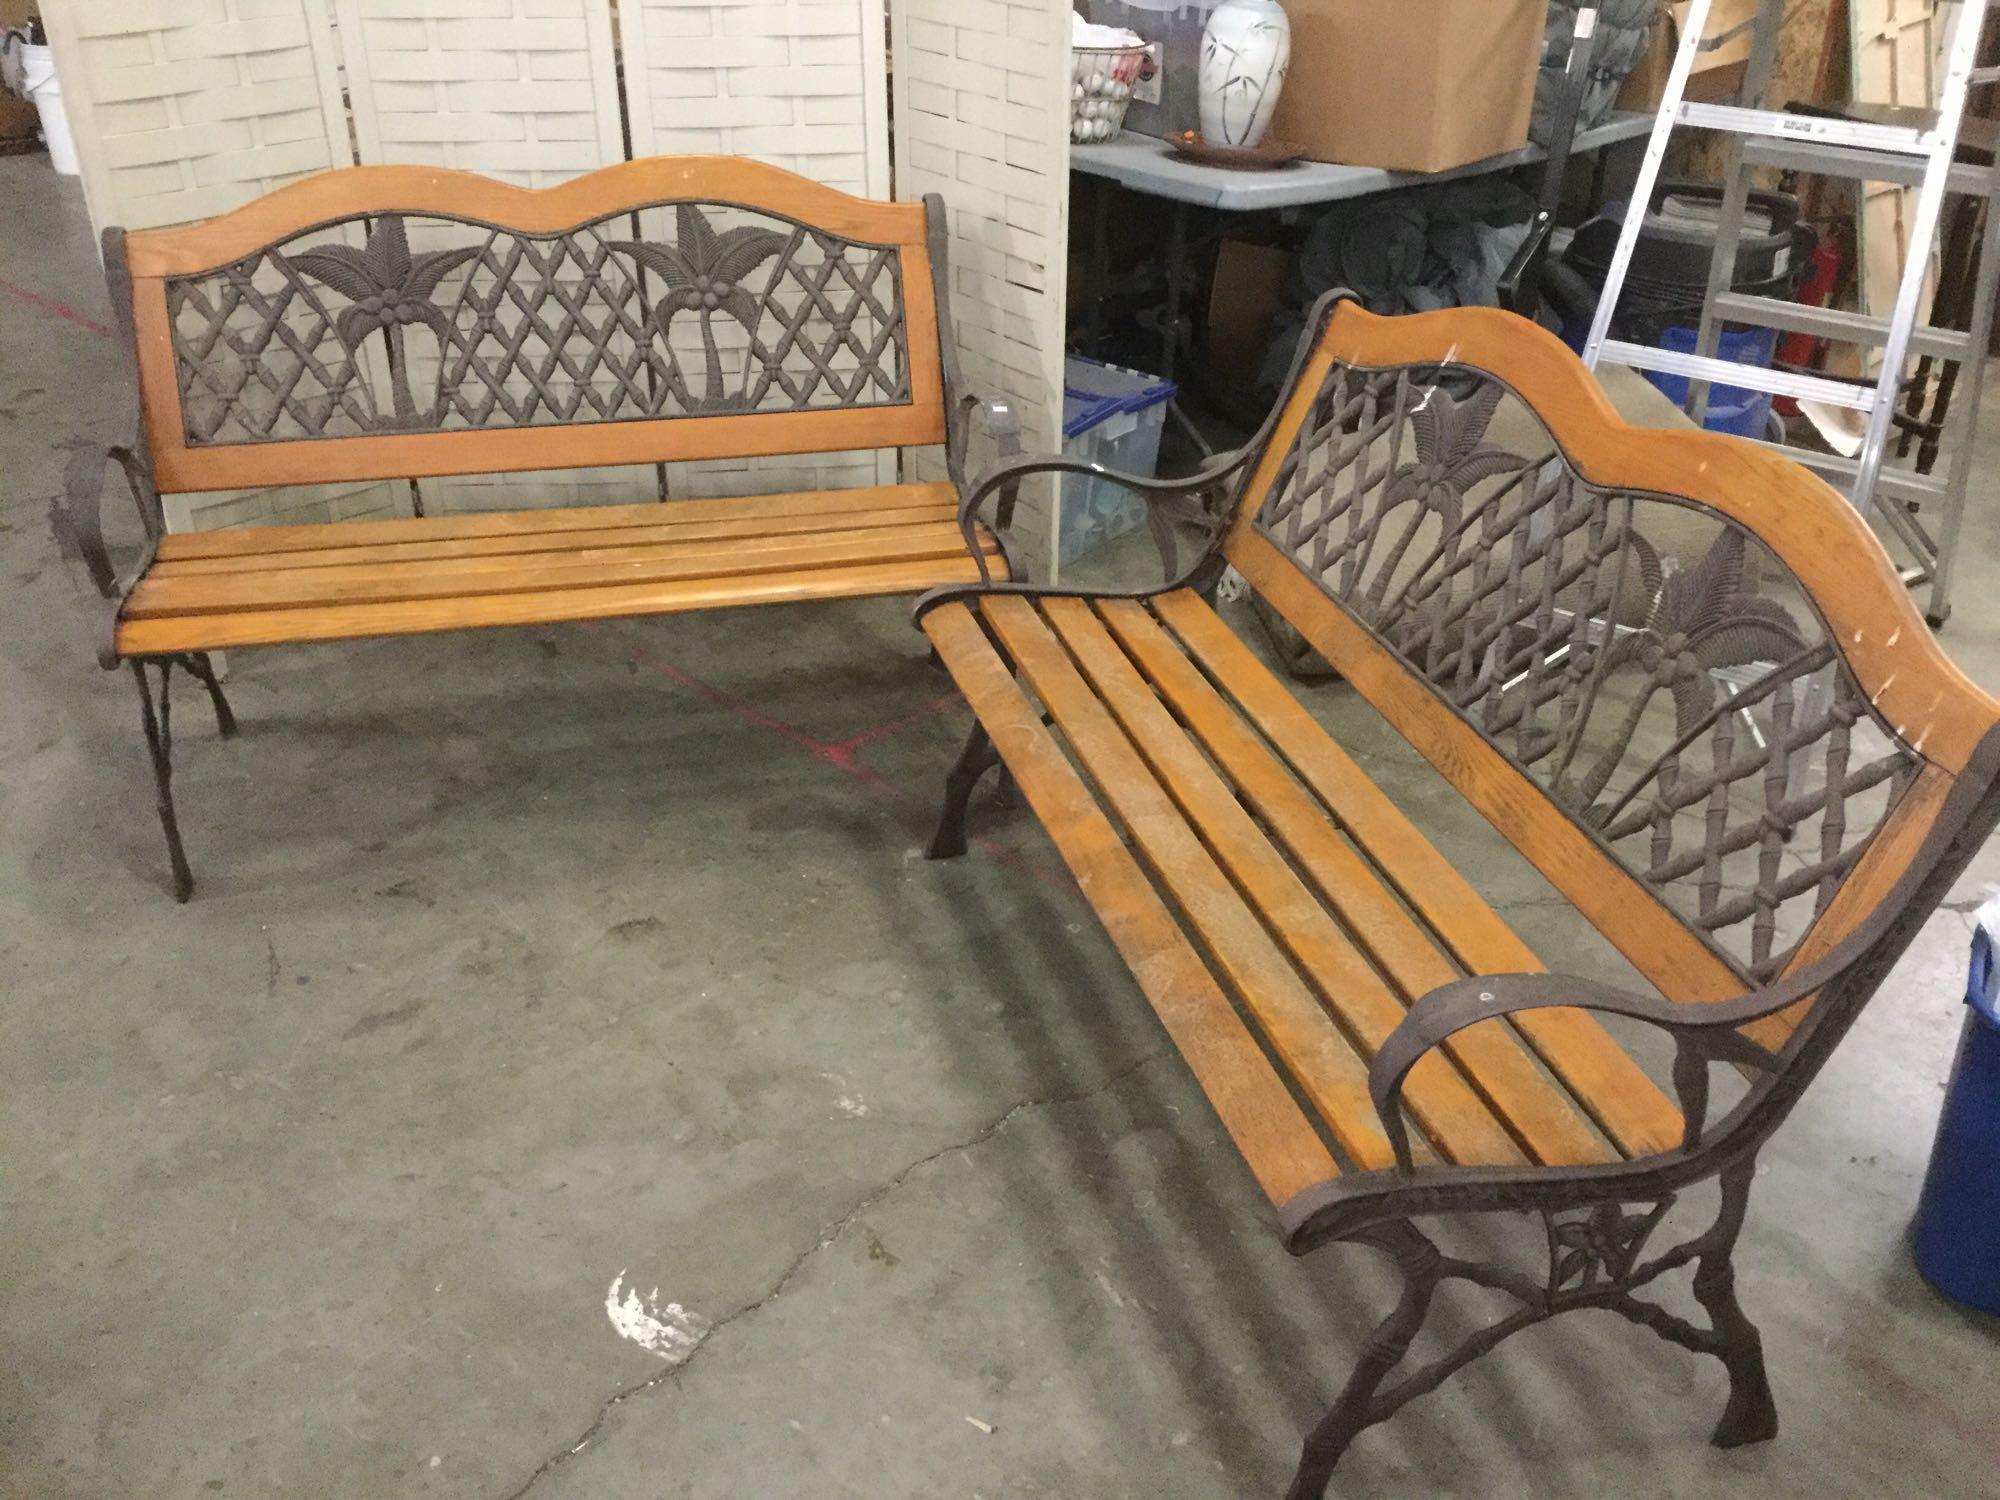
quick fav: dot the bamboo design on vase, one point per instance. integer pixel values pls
(1245, 54)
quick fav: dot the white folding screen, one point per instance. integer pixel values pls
(797, 83)
(191, 107)
(522, 90)
(187, 108)
(982, 117)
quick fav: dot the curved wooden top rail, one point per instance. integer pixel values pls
(349, 192)
(1939, 711)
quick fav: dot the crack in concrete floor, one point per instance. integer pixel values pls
(828, 1236)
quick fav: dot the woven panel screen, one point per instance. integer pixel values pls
(982, 116)
(184, 109)
(522, 90)
(801, 84)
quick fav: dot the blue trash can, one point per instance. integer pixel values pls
(1958, 1217)
(1730, 408)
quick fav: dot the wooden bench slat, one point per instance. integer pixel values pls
(1281, 1147)
(1650, 935)
(467, 578)
(1326, 1065)
(1451, 1114)
(530, 543)
(261, 539)
(279, 627)
(1613, 1088)
(1494, 1058)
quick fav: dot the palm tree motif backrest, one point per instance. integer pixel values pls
(409, 322)
(1644, 659)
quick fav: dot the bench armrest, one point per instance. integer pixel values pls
(1703, 1033)
(1001, 424)
(77, 519)
(1707, 1031)
(1167, 500)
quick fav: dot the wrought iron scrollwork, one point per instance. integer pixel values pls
(588, 325)
(704, 274)
(1648, 663)
(1596, 1248)
(387, 288)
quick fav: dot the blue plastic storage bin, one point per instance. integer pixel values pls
(1730, 408)
(1114, 417)
(1957, 1243)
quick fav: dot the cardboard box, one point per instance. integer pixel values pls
(1717, 76)
(1723, 16)
(1252, 285)
(1414, 85)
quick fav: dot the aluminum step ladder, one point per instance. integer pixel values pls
(1921, 156)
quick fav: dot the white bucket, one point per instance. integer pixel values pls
(39, 83)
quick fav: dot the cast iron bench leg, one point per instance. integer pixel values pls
(158, 720)
(975, 761)
(1605, 1283)
(1752, 1415)
(1358, 1409)
(225, 720)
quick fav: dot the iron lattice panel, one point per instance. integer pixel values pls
(1646, 661)
(408, 323)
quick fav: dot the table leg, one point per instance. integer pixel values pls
(1172, 329)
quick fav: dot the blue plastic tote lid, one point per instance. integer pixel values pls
(1094, 392)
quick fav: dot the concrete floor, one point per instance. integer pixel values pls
(540, 974)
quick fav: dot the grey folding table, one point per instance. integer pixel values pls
(1146, 164)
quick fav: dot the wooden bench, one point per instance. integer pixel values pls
(407, 324)
(1675, 672)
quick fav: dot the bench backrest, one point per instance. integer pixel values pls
(1678, 672)
(405, 322)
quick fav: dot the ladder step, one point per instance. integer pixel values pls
(1779, 125)
(1843, 327)
(1740, 377)
(1823, 160)
(1901, 484)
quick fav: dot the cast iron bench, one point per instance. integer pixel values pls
(1675, 672)
(404, 323)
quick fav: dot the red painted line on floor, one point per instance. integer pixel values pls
(844, 756)
(1937, 1409)
(57, 309)
(745, 710)
(881, 732)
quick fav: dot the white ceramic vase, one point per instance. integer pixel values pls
(1244, 54)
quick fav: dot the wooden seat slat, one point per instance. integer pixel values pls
(278, 627)
(526, 544)
(467, 578)
(1494, 1059)
(1326, 1065)
(262, 539)
(1600, 1074)
(1282, 1149)
(1459, 1123)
